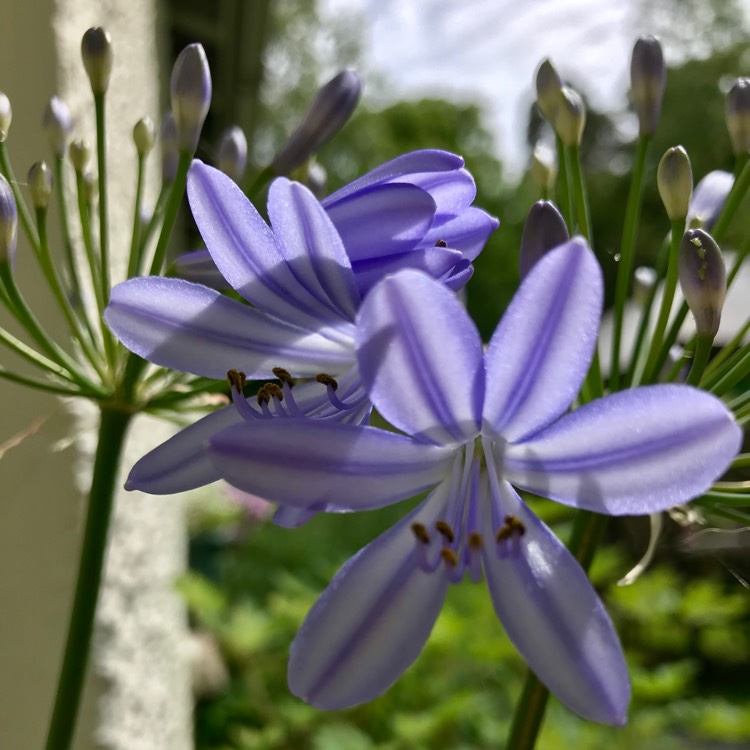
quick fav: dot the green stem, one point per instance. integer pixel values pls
(564, 188)
(627, 255)
(700, 360)
(527, 720)
(23, 211)
(101, 158)
(62, 204)
(264, 176)
(136, 253)
(41, 385)
(112, 430)
(739, 371)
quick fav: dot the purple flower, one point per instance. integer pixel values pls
(301, 281)
(412, 212)
(472, 425)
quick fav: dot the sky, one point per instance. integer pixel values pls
(488, 51)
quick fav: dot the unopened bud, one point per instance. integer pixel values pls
(703, 279)
(6, 116)
(58, 124)
(8, 222)
(648, 79)
(190, 95)
(570, 117)
(549, 88)
(737, 110)
(144, 136)
(169, 149)
(708, 200)
(543, 167)
(329, 112)
(674, 178)
(40, 184)
(544, 229)
(233, 153)
(96, 51)
(80, 154)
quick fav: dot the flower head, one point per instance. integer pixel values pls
(472, 426)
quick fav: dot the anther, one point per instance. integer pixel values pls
(445, 529)
(441, 243)
(475, 541)
(283, 375)
(327, 380)
(420, 532)
(515, 524)
(273, 391)
(263, 396)
(449, 556)
(236, 379)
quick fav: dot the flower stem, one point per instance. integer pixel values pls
(112, 430)
(527, 720)
(627, 255)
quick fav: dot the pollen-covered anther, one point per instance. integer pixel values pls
(283, 375)
(236, 379)
(263, 397)
(445, 530)
(511, 526)
(475, 541)
(449, 556)
(325, 379)
(273, 391)
(441, 243)
(420, 532)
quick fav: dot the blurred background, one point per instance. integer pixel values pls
(460, 77)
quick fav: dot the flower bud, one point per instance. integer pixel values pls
(703, 279)
(80, 154)
(6, 116)
(648, 79)
(40, 184)
(544, 229)
(233, 153)
(708, 199)
(674, 178)
(570, 117)
(144, 136)
(737, 110)
(543, 167)
(96, 51)
(329, 112)
(58, 124)
(549, 88)
(169, 149)
(8, 222)
(191, 95)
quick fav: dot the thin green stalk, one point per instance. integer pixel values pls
(41, 385)
(527, 720)
(62, 204)
(112, 431)
(627, 255)
(728, 349)
(170, 212)
(23, 212)
(136, 250)
(700, 360)
(564, 188)
(155, 220)
(734, 376)
(101, 159)
(653, 361)
(263, 177)
(710, 379)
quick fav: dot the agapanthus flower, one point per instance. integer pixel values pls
(474, 425)
(305, 277)
(411, 212)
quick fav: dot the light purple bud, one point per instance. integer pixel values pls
(674, 178)
(329, 112)
(737, 110)
(80, 154)
(8, 222)
(648, 79)
(96, 51)
(191, 95)
(40, 184)
(709, 197)
(6, 116)
(169, 149)
(544, 229)
(144, 135)
(703, 279)
(549, 88)
(570, 117)
(233, 153)
(58, 124)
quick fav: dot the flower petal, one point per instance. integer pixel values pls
(709, 197)
(195, 329)
(182, 462)
(312, 463)
(630, 453)
(382, 220)
(467, 232)
(541, 351)
(313, 249)
(552, 614)
(245, 249)
(420, 357)
(371, 622)
(198, 267)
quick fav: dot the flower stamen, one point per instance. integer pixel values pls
(420, 532)
(444, 528)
